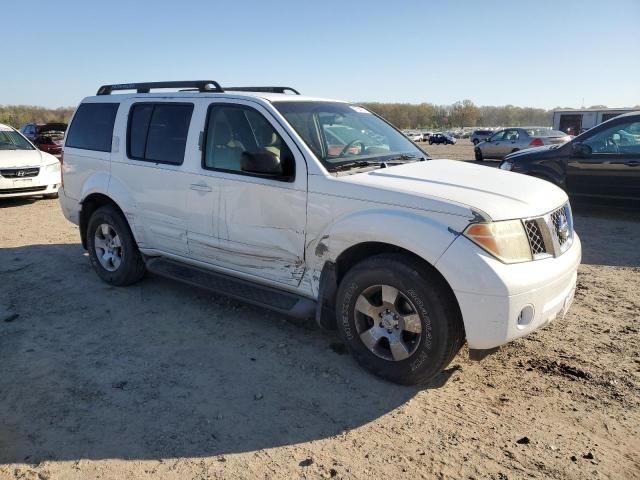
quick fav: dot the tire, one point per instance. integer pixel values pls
(476, 141)
(109, 228)
(430, 142)
(479, 157)
(515, 150)
(424, 345)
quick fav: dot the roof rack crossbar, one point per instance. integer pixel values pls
(200, 85)
(264, 89)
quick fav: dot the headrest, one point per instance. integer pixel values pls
(222, 133)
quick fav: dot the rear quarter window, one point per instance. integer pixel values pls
(92, 127)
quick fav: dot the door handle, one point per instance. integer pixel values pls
(200, 188)
(633, 163)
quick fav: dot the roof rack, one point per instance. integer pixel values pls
(200, 85)
(264, 89)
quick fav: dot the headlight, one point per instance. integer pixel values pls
(507, 240)
(506, 165)
(54, 167)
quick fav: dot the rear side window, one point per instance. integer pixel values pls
(158, 132)
(92, 127)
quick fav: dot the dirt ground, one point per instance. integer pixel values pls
(161, 380)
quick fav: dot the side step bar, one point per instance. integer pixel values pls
(249, 292)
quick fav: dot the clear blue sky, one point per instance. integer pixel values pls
(534, 53)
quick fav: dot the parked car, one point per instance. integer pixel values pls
(406, 257)
(602, 162)
(26, 171)
(414, 136)
(443, 138)
(48, 137)
(511, 140)
(480, 136)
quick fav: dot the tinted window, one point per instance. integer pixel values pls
(92, 127)
(234, 130)
(623, 139)
(158, 132)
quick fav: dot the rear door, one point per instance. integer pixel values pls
(150, 168)
(510, 142)
(613, 168)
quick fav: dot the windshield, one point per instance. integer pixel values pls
(12, 140)
(339, 133)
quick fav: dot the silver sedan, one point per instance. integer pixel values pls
(509, 140)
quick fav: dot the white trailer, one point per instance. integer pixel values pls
(576, 121)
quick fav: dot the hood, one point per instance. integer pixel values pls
(502, 195)
(52, 127)
(24, 158)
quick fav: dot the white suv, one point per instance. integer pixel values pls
(25, 171)
(317, 207)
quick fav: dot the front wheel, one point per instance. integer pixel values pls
(478, 153)
(112, 249)
(399, 321)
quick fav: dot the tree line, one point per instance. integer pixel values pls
(460, 114)
(403, 115)
(18, 115)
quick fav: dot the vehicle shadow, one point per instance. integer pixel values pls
(161, 370)
(16, 202)
(609, 231)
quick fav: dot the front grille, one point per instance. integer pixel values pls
(536, 242)
(560, 225)
(4, 191)
(20, 172)
(551, 234)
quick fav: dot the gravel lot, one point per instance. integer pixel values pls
(161, 380)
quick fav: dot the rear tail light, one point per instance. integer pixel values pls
(536, 142)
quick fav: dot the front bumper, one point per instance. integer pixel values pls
(45, 183)
(501, 302)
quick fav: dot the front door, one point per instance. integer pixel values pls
(260, 219)
(491, 149)
(613, 167)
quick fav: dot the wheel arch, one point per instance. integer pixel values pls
(334, 271)
(90, 204)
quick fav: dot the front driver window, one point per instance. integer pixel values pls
(496, 137)
(621, 139)
(234, 130)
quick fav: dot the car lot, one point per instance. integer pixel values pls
(163, 380)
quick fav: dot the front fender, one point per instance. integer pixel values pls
(425, 235)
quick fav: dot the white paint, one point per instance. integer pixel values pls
(281, 234)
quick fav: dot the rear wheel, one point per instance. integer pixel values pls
(478, 153)
(112, 249)
(399, 321)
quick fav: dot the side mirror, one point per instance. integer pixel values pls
(581, 150)
(262, 163)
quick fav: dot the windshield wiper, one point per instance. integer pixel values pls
(357, 164)
(406, 158)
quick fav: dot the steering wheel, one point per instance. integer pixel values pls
(351, 144)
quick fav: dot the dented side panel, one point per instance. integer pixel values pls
(337, 223)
